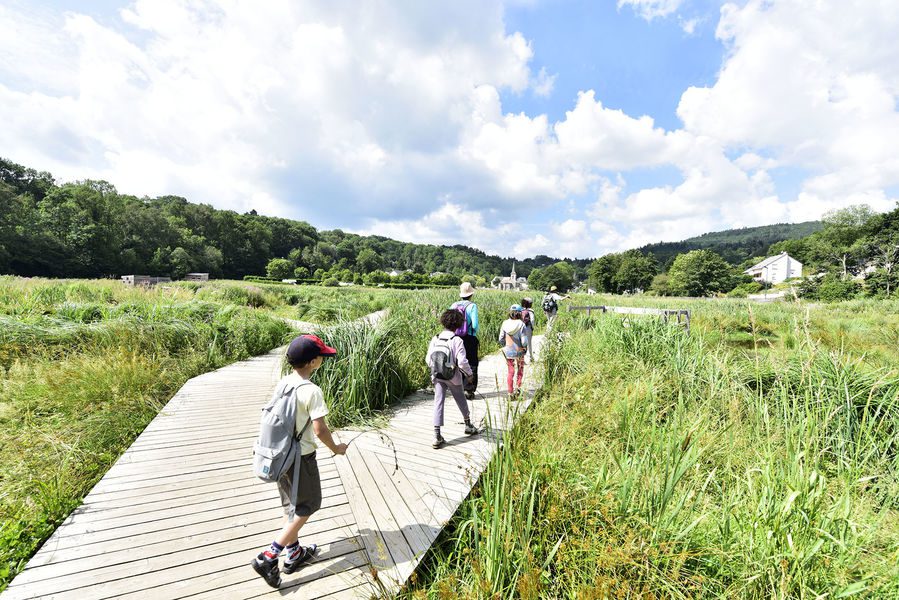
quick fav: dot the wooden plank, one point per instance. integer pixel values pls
(233, 514)
(139, 512)
(153, 543)
(187, 494)
(187, 577)
(130, 562)
(389, 529)
(413, 517)
(323, 578)
(378, 555)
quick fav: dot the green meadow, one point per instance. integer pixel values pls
(756, 457)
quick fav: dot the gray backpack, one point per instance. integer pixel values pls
(442, 361)
(277, 448)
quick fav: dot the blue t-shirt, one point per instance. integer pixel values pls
(471, 315)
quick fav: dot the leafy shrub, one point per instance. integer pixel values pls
(744, 289)
(881, 284)
(830, 288)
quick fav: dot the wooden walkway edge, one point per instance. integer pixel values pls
(180, 514)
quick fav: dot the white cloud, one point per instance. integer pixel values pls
(449, 224)
(544, 82)
(216, 97)
(689, 25)
(814, 82)
(651, 9)
(571, 238)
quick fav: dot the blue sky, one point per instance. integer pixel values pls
(529, 127)
(639, 66)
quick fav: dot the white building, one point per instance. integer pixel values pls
(512, 282)
(144, 280)
(775, 269)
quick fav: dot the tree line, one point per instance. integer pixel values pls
(853, 251)
(89, 229)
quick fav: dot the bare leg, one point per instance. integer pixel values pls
(290, 530)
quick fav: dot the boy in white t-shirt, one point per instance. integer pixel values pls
(305, 354)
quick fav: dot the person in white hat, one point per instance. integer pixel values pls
(469, 334)
(551, 305)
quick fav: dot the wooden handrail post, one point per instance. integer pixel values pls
(681, 314)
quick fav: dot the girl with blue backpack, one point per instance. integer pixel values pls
(515, 345)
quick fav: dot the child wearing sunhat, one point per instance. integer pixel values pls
(305, 355)
(515, 345)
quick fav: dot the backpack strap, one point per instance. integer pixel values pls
(297, 459)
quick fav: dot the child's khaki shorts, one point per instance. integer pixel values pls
(309, 490)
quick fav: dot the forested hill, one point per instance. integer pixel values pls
(89, 229)
(734, 245)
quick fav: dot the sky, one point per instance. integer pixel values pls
(566, 128)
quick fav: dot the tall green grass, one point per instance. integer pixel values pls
(368, 373)
(662, 465)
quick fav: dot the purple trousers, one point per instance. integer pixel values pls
(440, 388)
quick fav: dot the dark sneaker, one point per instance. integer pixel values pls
(439, 442)
(268, 570)
(469, 395)
(305, 556)
(470, 430)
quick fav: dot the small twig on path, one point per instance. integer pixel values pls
(385, 438)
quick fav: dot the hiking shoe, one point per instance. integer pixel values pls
(268, 570)
(438, 442)
(470, 430)
(304, 557)
(469, 395)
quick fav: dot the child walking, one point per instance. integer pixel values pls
(515, 344)
(305, 354)
(448, 363)
(529, 319)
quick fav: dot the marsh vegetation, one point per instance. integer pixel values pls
(756, 457)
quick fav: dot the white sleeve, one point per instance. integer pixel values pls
(316, 404)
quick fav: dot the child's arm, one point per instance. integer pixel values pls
(324, 434)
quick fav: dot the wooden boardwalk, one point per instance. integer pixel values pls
(181, 515)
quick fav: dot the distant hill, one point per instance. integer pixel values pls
(735, 245)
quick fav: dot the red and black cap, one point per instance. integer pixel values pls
(304, 348)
